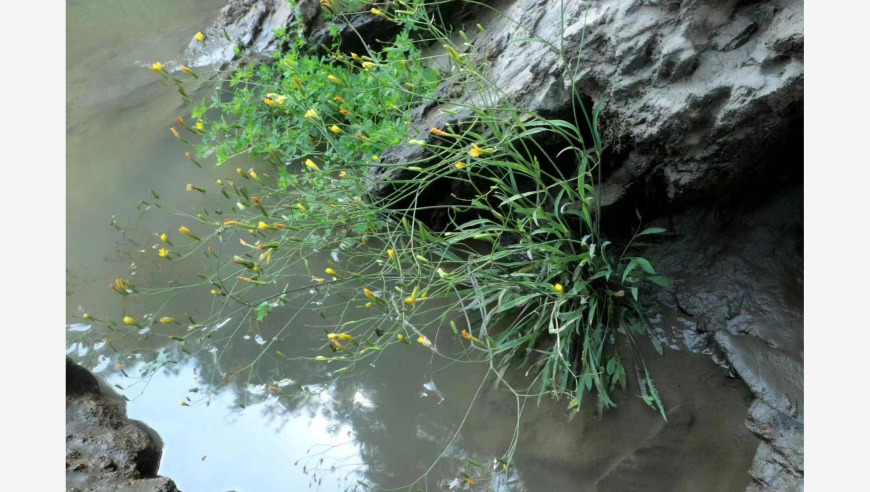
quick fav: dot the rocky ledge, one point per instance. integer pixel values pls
(105, 451)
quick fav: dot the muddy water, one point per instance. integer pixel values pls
(385, 425)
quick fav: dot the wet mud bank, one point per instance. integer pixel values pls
(105, 451)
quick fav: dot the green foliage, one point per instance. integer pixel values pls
(521, 271)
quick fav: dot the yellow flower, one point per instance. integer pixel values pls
(559, 288)
(199, 37)
(166, 320)
(339, 99)
(334, 79)
(311, 113)
(200, 125)
(356, 57)
(367, 65)
(369, 293)
(424, 341)
(377, 12)
(468, 336)
(187, 70)
(270, 102)
(157, 67)
(301, 207)
(184, 230)
(374, 157)
(335, 129)
(330, 271)
(400, 337)
(410, 300)
(253, 174)
(240, 172)
(475, 151)
(164, 238)
(183, 403)
(311, 165)
(163, 253)
(392, 254)
(129, 321)
(460, 165)
(343, 174)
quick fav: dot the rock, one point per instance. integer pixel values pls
(245, 24)
(737, 273)
(696, 94)
(104, 450)
(779, 461)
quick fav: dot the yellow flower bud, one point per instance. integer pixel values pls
(157, 67)
(335, 129)
(311, 113)
(199, 37)
(391, 254)
(129, 321)
(311, 165)
(559, 288)
(369, 293)
(330, 271)
(377, 12)
(166, 320)
(334, 79)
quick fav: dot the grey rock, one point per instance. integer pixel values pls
(737, 273)
(697, 92)
(244, 24)
(105, 451)
(779, 461)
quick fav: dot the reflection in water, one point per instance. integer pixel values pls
(383, 424)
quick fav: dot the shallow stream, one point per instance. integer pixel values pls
(385, 426)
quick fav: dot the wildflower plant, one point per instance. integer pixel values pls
(520, 272)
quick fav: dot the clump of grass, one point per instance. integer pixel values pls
(520, 272)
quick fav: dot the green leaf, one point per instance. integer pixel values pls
(645, 265)
(662, 281)
(652, 230)
(263, 310)
(474, 462)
